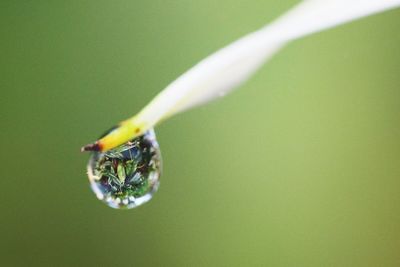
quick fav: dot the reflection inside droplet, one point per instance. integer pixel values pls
(126, 176)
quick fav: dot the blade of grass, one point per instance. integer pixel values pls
(224, 70)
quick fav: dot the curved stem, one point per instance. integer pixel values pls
(232, 65)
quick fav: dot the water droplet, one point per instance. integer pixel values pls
(127, 176)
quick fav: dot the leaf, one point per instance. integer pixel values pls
(121, 172)
(225, 70)
(130, 167)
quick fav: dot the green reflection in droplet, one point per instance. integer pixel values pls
(127, 176)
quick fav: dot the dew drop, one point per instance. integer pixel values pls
(127, 176)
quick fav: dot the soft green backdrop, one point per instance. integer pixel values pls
(300, 167)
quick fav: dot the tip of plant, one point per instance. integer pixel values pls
(91, 147)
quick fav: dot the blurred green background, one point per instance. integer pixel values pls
(300, 167)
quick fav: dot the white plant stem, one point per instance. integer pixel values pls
(224, 70)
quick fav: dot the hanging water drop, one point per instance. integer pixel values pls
(126, 176)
